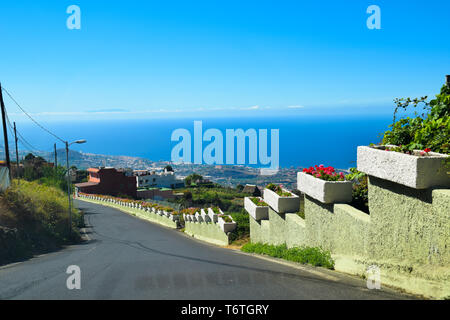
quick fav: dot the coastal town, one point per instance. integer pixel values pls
(225, 175)
(209, 154)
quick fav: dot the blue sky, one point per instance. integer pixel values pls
(138, 59)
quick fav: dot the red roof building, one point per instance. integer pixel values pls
(108, 181)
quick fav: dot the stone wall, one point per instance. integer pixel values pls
(211, 232)
(140, 213)
(406, 235)
(207, 231)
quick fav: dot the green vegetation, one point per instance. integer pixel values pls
(190, 211)
(242, 231)
(301, 210)
(306, 255)
(278, 190)
(360, 191)
(37, 169)
(216, 210)
(38, 214)
(196, 180)
(226, 218)
(258, 202)
(431, 129)
(229, 200)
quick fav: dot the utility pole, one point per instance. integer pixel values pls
(5, 133)
(17, 153)
(56, 160)
(68, 188)
(69, 180)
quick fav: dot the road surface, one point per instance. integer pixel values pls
(129, 258)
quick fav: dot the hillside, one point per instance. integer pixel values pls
(34, 219)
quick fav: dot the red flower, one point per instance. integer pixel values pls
(427, 150)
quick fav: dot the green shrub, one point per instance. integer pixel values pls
(431, 129)
(40, 215)
(360, 190)
(242, 230)
(305, 255)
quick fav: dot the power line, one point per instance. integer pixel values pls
(31, 118)
(23, 141)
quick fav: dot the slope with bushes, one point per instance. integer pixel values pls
(34, 219)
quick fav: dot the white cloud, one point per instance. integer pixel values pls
(251, 108)
(295, 107)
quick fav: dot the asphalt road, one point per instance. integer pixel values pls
(128, 258)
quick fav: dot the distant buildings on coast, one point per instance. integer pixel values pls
(140, 184)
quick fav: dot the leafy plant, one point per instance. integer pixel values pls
(190, 211)
(226, 218)
(278, 190)
(216, 210)
(431, 129)
(258, 202)
(306, 255)
(242, 230)
(360, 191)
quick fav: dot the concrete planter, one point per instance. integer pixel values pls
(256, 212)
(324, 191)
(282, 204)
(213, 216)
(418, 172)
(198, 217)
(226, 226)
(205, 216)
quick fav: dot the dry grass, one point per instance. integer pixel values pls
(38, 214)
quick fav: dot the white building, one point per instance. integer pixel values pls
(153, 179)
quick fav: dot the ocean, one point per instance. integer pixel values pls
(303, 141)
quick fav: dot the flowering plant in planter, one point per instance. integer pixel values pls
(411, 149)
(174, 215)
(258, 201)
(278, 190)
(226, 218)
(226, 223)
(205, 215)
(324, 173)
(324, 184)
(190, 211)
(213, 213)
(256, 208)
(281, 200)
(418, 169)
